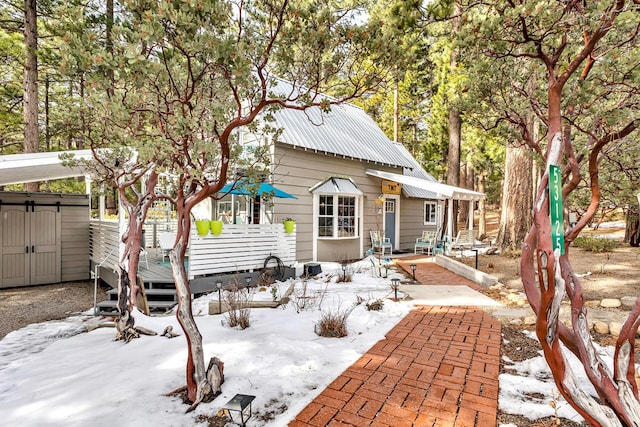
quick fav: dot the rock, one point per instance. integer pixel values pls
(513, 297)
(516, 322)
(530, 320)
(601, 327)
(614, 328)
(628, 302)
(610, 303)
(521, 301)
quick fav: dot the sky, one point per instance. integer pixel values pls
(57, 374)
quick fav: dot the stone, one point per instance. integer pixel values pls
(516, 322)
(530, 320)
(601, 327)
(610, 303)
(628, 302)
(521, 301)
(614, 328)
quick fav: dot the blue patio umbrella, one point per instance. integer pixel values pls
(242, 189)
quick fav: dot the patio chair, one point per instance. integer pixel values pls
(464, 239)
(426, 243)
(380, 243)
(166, 241)
(143, 257)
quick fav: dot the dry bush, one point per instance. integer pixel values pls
(239, 301)
(333, 324)
(304, 300)
(375, 305)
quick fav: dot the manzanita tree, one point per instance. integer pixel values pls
(582, 57)
(180, 78)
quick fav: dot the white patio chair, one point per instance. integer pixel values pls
(380, 243)
(166, 241)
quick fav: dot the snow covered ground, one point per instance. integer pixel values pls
(57, 374)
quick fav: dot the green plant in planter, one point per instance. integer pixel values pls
(289, 224)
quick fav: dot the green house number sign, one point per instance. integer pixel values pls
(555, 208)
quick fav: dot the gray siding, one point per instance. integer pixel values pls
(412, 222)
(296, 170)
(75, 243)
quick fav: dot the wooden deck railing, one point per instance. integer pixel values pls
(103, 243)
(240, 247)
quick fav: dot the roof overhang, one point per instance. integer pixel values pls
(21, 168)
(443, 190)
(336, 185)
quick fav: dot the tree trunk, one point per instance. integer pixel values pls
(453, 161)
(516, 204)
(202, 386)
(30, 97)
(632, 231)
(396, 111)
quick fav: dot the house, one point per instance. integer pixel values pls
(347, 178)
(342, 177)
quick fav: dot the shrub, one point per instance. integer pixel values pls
(375, 305)
(239, 302)
(594, 244)
(305, 300)
(333, 324)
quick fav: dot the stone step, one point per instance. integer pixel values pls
(108, 307)
(152, 294)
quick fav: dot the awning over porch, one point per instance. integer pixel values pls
(443, 190)
(245, 189)
(21, 168)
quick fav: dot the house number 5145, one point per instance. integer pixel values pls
(555, 208)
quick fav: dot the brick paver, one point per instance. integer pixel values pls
(438, 367)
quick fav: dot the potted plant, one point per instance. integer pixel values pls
(216, 227)
(202, 225)
(289, 224)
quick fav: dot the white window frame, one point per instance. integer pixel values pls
(336, 197)
(434, 212)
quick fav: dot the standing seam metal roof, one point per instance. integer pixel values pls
(416, 172)
(345, 131)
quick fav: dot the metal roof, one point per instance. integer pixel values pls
(417, 172)
(346, 131)
(20, 168)
(335, 185)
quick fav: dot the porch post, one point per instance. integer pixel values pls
(450, 219)
(470, 216)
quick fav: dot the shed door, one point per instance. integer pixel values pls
(14, 239)
(45, 248)
(30, 248)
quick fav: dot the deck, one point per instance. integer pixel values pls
(236, 255)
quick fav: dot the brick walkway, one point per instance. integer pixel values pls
(438, 366)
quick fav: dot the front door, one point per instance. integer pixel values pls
(390, 220)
